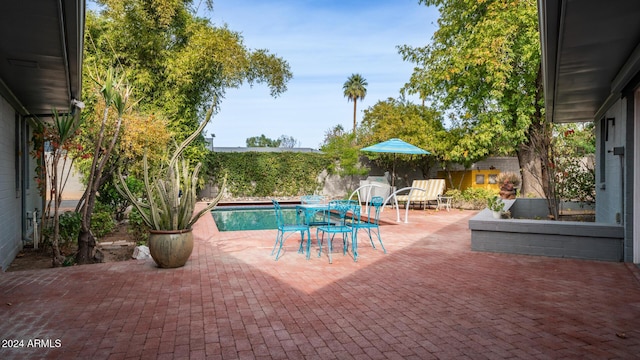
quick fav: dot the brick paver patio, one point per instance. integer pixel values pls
(429, 297)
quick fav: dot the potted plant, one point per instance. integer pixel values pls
(496, 205)
(509, 182)
(168, 205)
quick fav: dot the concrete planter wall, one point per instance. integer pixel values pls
(570, 239)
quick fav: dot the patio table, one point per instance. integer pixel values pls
(309, 213)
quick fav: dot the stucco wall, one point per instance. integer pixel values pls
(10, 200)
(609, 193)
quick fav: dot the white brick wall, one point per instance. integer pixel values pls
(10, 204)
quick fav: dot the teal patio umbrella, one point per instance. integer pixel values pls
(395, 146)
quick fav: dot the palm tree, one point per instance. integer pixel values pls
(355, 88)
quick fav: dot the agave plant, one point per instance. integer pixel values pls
(170, 198)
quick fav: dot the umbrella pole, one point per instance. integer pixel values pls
(393, 171)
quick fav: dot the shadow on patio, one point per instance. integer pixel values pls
(429, 297)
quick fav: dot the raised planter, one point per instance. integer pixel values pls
(570, 239)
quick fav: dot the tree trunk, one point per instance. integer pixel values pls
(535, 157)
(532, 181)
(86, 240)
(354, 115)
(57, 257)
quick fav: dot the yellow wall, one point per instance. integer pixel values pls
(470, 177)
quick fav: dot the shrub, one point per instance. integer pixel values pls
(102, 222)
(109, 196)
(470, 198)
(137, 228)
(69, 226)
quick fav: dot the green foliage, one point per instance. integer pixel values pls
(344, 155)
(575, 179)
(169, 202)
(102, 222)
(262, 141)
(288, 141)
(69, 226)
(471, 198)
(482, 68)
(137, 227)
(495, 203)
(257, 174)
(573, 162)
(109, 195)
(178, 61)
(415, 124)
(575, 139)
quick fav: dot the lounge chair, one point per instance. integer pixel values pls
(424, 191)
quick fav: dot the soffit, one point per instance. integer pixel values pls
(41, 54)
(585, 44)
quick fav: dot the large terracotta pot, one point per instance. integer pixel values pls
(170, 249)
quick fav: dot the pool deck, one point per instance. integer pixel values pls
(430, 297)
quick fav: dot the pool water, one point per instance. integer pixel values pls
(250, 218)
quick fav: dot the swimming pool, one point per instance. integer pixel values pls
(236, 218)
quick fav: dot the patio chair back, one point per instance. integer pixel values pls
(342, 213)
(424, 191)
(372, 224)
(284, 228)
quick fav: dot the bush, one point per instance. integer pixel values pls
(102, 222)
(109, 196)
(267, 174)
(470, 198)
(69, 227)
(137, 227)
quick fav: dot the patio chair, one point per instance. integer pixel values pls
(372, 223)
(430, 191)
(344, 210)
(285, 228)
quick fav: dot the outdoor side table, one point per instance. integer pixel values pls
(444, 201)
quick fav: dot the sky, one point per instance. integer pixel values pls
(324, 43)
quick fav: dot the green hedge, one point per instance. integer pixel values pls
(258, 174)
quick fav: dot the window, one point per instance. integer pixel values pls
(479, 179)
(493, 178)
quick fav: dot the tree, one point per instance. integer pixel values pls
(262, 141)
(176, 60)
(115, 93)
(412, 123)
(483, 67)
(339, 147)
(355, 88)
(288, 142)
(54, 167)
